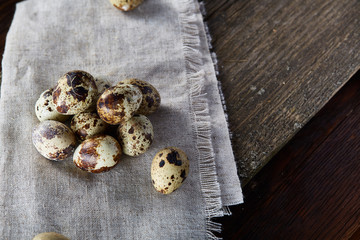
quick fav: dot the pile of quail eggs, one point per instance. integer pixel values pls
(95, 106)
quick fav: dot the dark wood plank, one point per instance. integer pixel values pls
(7, 9)
(280, 62)
(310, 189)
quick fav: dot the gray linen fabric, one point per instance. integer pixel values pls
(162, 42)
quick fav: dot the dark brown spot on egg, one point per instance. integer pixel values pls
(160, 154)
(172, 177)
(134, 137)
(87, 126)
(81, 133)
(75, 78)
(162, 163)
(62, 154)
(131, 130)
(182, 175)
(49, 132)
(88, 155)
(169, 183)
(63, 108)
(100, 170)
(172, 158)
(149, 137)
(56, 95)
(78, 93)
(146, 89)
(150, 101)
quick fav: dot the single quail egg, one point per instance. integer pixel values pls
(151, 97)
(75, 92)
(97, 154)
(169, 169)
(86, 125)
(53, 140)
(46, 110)
(126, 5)
(50, 236)
(136, 135)
(119, 103)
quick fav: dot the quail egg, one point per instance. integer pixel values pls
(169, 169)
(119, 103)
(50, 236)
(53, 140)
(75, 92)
(126, 5)
(97, 154)
(46, 110)
(151, 97)
(135, 135)
(86, 125)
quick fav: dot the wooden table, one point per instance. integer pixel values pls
(280, 64)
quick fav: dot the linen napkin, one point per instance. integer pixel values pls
(162, 42)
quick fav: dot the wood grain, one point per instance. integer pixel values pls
(310, 189)
(280, 62)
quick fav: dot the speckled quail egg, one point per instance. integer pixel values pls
(135, 135)
(151, 97)
(50, 236)
(169, 169)
(86, 125)
(53, 140)
(75, 92)
(45, 109)
(126, 5)
(97, 154)
(119, 103)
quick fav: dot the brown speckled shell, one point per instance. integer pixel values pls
(86, 125)
(135, 135)
(75, 92)
(151, 97)
(119, 103)
(126, 5)
(97, 154)
(46, 110)
(169, 169)
(53, 140)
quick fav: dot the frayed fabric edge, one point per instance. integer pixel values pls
(195, 75)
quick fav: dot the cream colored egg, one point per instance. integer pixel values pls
(46, 110)
(75, 92)
(50, 236)
(151, 97)
(135, 135)
(53, 140)
(119, 103)
(86, 125)
(126, 5)
(97, 154)
(169, 169)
